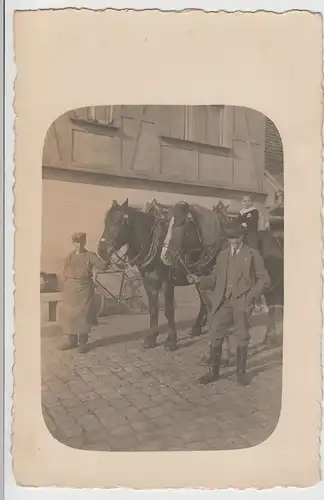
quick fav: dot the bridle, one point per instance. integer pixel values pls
(208, 253)
(188, 220)
(123, 259)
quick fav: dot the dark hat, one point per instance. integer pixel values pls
(79, 237)
(233, 229)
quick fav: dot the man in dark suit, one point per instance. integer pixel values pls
(238, 278)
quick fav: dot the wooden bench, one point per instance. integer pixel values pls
(49, 306)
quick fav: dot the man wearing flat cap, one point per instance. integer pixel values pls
(237, 279)
(77, 277)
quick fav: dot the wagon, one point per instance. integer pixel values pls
(120, 286)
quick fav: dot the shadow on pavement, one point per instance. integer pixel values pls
(272, 358)
(137, 335)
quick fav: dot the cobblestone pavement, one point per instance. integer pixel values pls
(120, 397)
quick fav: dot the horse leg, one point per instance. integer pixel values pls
(153, 299)
(171, 341)
(196, 330)
(271, 325)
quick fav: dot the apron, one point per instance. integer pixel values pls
(77, 310)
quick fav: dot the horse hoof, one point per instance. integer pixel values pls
(170, 346)
(149, 343)
(196, 332)
(243, 379)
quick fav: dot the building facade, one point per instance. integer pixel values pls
(96, 154)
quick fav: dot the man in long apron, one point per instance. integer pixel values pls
(77, 310)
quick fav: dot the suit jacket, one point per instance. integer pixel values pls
(252, 277)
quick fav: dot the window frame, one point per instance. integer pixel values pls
(223, 139)
(90, 118)
(109, 115)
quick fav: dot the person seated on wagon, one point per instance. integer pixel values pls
(249, 221)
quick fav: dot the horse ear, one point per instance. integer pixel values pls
(125, 204)
(115, 203)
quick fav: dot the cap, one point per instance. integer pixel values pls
(233, 229)
(79, 237)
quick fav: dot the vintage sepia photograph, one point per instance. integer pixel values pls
(167, 264)
(162, 277)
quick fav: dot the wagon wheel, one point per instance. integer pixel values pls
(135, 295)
(100, 305)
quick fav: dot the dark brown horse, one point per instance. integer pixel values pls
(176, 246)
(144, 233)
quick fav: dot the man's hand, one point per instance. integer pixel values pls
(249, 301)
(193, 279)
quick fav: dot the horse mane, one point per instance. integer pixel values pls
(130, 209)
(209, 224)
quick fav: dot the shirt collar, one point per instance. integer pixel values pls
(237, 249)
(246, 210)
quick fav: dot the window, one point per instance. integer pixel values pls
(101, 115)
(204, 124)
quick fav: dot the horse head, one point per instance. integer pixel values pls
(188, 224)
(116, 232)
(182, 233)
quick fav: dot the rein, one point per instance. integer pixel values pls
(206, 256)
(279, 244)
(135, 259)
(183, 264)
(121, 259)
